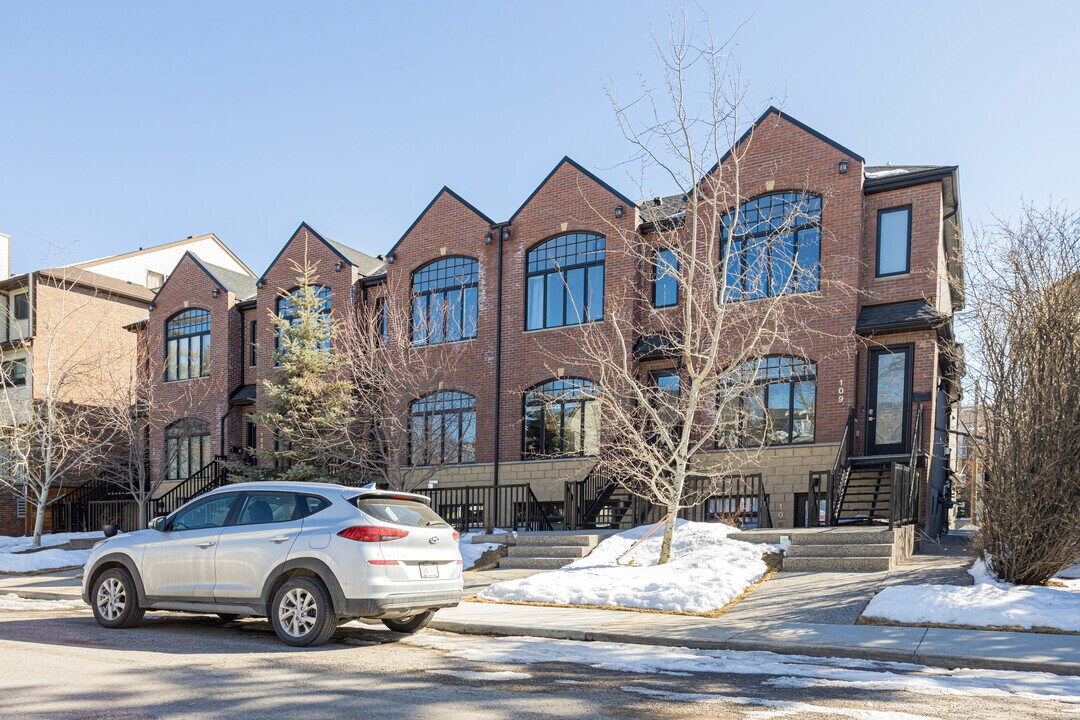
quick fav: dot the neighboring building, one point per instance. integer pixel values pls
(883, 296)
(79, 311)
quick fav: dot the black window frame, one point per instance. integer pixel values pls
(174, 337)
(745, 439)
(657, 279)
(442, 404)
(281, 310)
(12, 378)
(908, 209)
(253, 343)
(534, 397)
(542, 260)
(452, 274)
(185, 431)
(807, 221)
(229, 517)
(20, 306)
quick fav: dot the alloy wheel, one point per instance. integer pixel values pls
(297, 612)
(111, 598)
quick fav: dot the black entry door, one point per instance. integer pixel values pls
(888, 407)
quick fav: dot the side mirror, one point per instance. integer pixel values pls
(158, 524)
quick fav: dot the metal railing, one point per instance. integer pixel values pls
(210, 476)
(485, 507)
(904, 502)
(840, 472)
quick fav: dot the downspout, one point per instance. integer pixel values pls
(502, 230)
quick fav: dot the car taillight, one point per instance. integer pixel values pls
(370, 533)
(457, 536)
(383, 562)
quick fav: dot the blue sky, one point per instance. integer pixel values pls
(133, 124)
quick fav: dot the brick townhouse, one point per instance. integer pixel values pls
(510, 295)
(77, 314)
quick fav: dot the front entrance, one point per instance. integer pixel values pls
(888, 407)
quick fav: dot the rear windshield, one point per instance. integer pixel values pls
(400, 512)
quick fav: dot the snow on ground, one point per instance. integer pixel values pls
(15, 558)
(11, 601)
(782, 670)
(471, 552)
(987, 603)
(497, 675)
(710, 569)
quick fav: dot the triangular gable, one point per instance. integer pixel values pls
(444, 191)
(198, 263)
(567, 160)
(773, 110)
(312, 231)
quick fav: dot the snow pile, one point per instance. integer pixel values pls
(709, 570)
(987, 603)
(12, 601)
(15, 555)
(471, 552)
(787, 671)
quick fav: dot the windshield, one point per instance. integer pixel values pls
(401, 512)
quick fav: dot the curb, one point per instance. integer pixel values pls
(950, 660)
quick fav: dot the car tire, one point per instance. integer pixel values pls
(114, 599)
(411, 624)
(302, 613)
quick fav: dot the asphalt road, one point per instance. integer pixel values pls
(61, 665)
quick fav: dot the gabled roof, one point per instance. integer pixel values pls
(239, 284)
(773, 110)
(443, 191)
(568, 161)
(190, 240)
(75, 275)
(363, 262)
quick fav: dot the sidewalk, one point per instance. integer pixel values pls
(983, 649)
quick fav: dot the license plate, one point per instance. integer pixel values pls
(429, 570)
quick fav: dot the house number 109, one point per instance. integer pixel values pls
(840, 392)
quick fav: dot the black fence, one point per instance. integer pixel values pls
(476, 508)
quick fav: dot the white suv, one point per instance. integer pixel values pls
(304, 555)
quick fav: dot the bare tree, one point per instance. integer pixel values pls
(53, 414)
(1024, 328)
(675, 443)
(392, 445)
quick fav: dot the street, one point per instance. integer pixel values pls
(61, 664)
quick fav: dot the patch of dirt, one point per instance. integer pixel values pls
(864, 620)
(490, 559)
(774, 561)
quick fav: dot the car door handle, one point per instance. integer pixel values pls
(204, 544)
(280, 538)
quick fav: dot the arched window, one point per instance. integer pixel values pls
(287, 310)
(445, 301)
(565, 281)
(443, 429)
(562, 418)
(775, 403)
(187, 345)
(187, 448)
(774, 247)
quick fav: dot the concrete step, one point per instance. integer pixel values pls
(588, 541)
(839, 551)
(548, 551)
(838, 564)
(533, 563)
(867, 536)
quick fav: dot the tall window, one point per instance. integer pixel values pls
(565, 281)
(894, 241)
(773, 247)
(380, 318)
(187, 448)
(778, 408)
(254, 344)
(445, 301)
(187, 345)
(443, 429)
(562, 419)
(665, 279)
(287, 310)
(667, 391)
(21, 308)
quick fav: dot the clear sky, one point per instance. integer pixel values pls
(133, 124)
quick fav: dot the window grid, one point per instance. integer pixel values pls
(187, 448)
(561, 419)
(784, 388)
(187, 345)
(288, 311)
(445, 301)
(565, 281)
(775, 249)
(443, 429)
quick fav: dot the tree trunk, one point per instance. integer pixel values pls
(40, 505)
(669, 532)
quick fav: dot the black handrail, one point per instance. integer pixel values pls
(210, 476)
(837, 485)
(904, 508)
(486, 507)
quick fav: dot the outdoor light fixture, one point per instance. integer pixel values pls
(259, 285)
(338, 265)
(843, 166)
(505, 234)
(151, 306)
(488, 238)
(618, 211)
(390, 258)
(215, 292)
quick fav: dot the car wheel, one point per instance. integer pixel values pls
(302, 614)
(115, 600)
(229, 617)
(410, 624)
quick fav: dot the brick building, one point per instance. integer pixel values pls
(512, 294)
